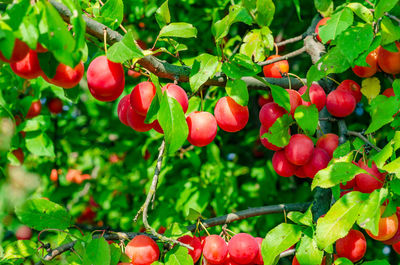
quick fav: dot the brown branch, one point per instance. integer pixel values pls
(362, 137)
(291, 40)
(251, 212)
(284, 57)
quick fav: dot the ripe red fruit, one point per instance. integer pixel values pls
(202, 128)
(243, 248)
(231, 116)
(389, 92)
(340, 103)
(19, 154)
(264, 99)
(396, 237)
(353, 246)
(367, 183)
(34, 109)
(352, 87)
(122, 110)
(195, 243)
(300, 172)
(299, 150)
(282, 166)
(176, 92)
(133, 74)
(54, 175)
(277, 69)
(329, 142)
(319, 160)
(317, 96)
(321, 23)
(388, 227)
(106, 79)
(28, 67)
(23, 233)
(55, 105)
(215, 249)
(66, 77)
(265, 141)
(295, 100)
(396, 247)
(142, 250)
(141, 97)
(349, 184)
(20, 50)
(269, 113)
(368, 71)
(388, 61)
(258, 259)
(228, 261)
(136, 121)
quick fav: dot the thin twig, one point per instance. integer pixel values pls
(362, 137)
(393, 17)
(286, 253)
(330, 119)
(291, 40)
(284, 57)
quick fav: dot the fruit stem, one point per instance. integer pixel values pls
(296, 76)
(330, 78)
(105, 39)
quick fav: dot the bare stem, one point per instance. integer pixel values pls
(284, 57)
(362, 137)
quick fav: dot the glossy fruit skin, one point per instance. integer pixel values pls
(352, 87)
(353, 246)
(299, 150)
(202, 128)
(176, 92)
(321, 23)
(269, 113)
(54, 175)
(141, 97)
(106, 79)
(340, 103)
(28, 67)
(122, 110)
(136, 121)
(142, 250)
(23, 233)
(319, 160)
(349, 184)
(389, 92)
(265, 142)
(300, 172)
(258, 259)
(387, 227)
(19, 154)
(66, 76)
(34, 109)
(368, 71)
(396, 247)
(295, 100)
(20, 50)
(215, 249)
(396, 238)
(195, 243)
(243, 248)
(264, 99)
(367, 183)
(388, 61)
(230, 116)
(133, 74)
(277, 69)
(281, 165)
(317, 96)
(329, 142)
(55, 105)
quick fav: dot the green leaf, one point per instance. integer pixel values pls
(42, 214)
(20, 249)
(47, 61)
(377, 262)
(35, 124)
(256, 42)
(360, 38)
(362, 59)
(381, 157)
(39, 143)
(265, 12)
(280, 96)
(298, 8)
(325, 7)
(389, 31)
(124, 50)
(78, 24)
(112, 13)
(97, 252)
(172, 121)
(384, 6)
(179, 30)
(29, 31)
(237, 89)
(204, 67)
(370, 212)
(307, 251)
(163, 16)
(343, 261)
(155, 103)
(16, 13)
(239, 66)
(115, 254)
(73, 94)
(278, 240)
(393, 167)
(342, 150)
(395, 186)
(338, 23)
(361, 11)
(302, 218)
(335, 173)
(178, 256)
(278, 134)
(307, 118)
(339, 219)
(176, 230)
(382, 111)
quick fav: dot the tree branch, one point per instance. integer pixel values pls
(291, 40)
(252, 212)
(362, 137)
(284, 57)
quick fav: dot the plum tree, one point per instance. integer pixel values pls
(319, 24)
(317, 96)
(352, 87)
(66, 76)
(202, 128)
(34, 109)
(123, 107)
(141, 97)
(299, 150)
(389, 61)
(353, 246)
(142, 250)
(269, 113)
(243, 248)
(367, 183)
(193, 242)
(28, 67)
(329, 142)
(55, 105)
(177, 93)
(20, 50)
(368, 71)
(340, 103)
(282, 166)
(230, 116)
(23, 233)
(277, 69)
(387, 227)
(215, 249)
(319, 160)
